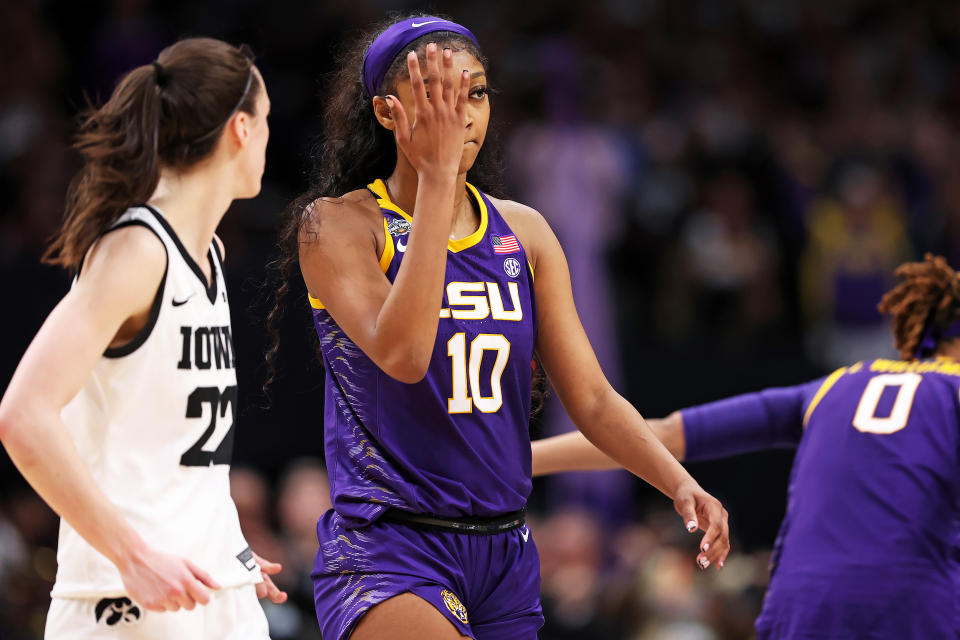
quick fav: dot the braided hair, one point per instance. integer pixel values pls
(928, 297)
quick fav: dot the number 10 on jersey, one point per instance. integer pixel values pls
(466, 372)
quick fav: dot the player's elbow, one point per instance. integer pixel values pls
(407, 366)
(8, 421)
(11, 423)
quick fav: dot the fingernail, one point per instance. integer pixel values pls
(706, 545)
(720, 563)
(447, 53)
(704, 563)
(692, 526)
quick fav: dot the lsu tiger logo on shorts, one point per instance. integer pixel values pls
(454, 605)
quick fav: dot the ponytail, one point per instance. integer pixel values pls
(167, 113)
(925, 304)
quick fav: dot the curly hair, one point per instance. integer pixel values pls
(929, 296)
(354, 149)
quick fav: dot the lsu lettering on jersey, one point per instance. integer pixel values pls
(154, 423)
(457, 442)
(867, 547)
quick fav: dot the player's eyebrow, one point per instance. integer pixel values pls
(477, 74)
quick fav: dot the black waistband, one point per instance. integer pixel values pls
(474, 525)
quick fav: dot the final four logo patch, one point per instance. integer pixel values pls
(398, 228)
(454, 605)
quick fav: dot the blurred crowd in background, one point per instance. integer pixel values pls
(733, 183)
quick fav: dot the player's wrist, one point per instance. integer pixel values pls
(125, 549)
(683, 487)
(436, 177)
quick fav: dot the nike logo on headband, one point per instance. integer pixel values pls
(420, 24)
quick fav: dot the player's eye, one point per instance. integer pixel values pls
(479, 93)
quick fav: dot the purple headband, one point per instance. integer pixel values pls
(931, 336)
(395, 39)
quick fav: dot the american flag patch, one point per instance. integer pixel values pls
(505, 244)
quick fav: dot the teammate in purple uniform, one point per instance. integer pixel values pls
(867, 547)
(428, 317)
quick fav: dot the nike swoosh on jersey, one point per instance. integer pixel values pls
(420, 24)
(525, 534)
(178, 303)
(401, 247)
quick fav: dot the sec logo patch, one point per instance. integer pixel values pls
(454, 605)
(512, 267)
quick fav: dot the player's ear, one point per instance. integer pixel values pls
(383, 112)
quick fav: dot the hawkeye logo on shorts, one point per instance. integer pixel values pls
(454, 605)
(112, 611)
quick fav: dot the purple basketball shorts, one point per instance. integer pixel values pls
(487, 586)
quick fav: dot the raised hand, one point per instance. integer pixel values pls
(700, 510)
(163, 582)
(433, 142)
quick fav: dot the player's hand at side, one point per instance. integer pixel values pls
(164, 582)
(700, 510)
(433, 142)
(267, 588)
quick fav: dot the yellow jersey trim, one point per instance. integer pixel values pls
(379, 188)
(822, 391)
(385, 259)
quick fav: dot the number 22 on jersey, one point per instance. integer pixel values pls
(866, 419)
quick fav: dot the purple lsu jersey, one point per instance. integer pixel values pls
(457, 442)
(866, 549)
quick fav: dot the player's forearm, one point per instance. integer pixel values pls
(748, 422)
(411, 313)
(573, 452)
(569, 452)
(621, 433)
(40, 447)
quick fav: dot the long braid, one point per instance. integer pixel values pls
(929, 293)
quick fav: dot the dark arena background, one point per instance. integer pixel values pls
(733, 183)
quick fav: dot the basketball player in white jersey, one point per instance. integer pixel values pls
(121, 412)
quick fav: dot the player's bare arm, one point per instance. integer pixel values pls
(604, 417)
(573, 452)
(110, 299)
(396, 326)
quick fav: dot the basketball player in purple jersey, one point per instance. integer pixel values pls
(867, 547)
(428, 316)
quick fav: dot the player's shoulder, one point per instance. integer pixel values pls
(517, 213)
(355, 210)
(127, 247)
(527, 223)
(123, 269)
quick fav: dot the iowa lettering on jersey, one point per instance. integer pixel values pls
(206, 347)
(482, 300)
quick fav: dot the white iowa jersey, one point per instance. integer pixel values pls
(155, 422)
